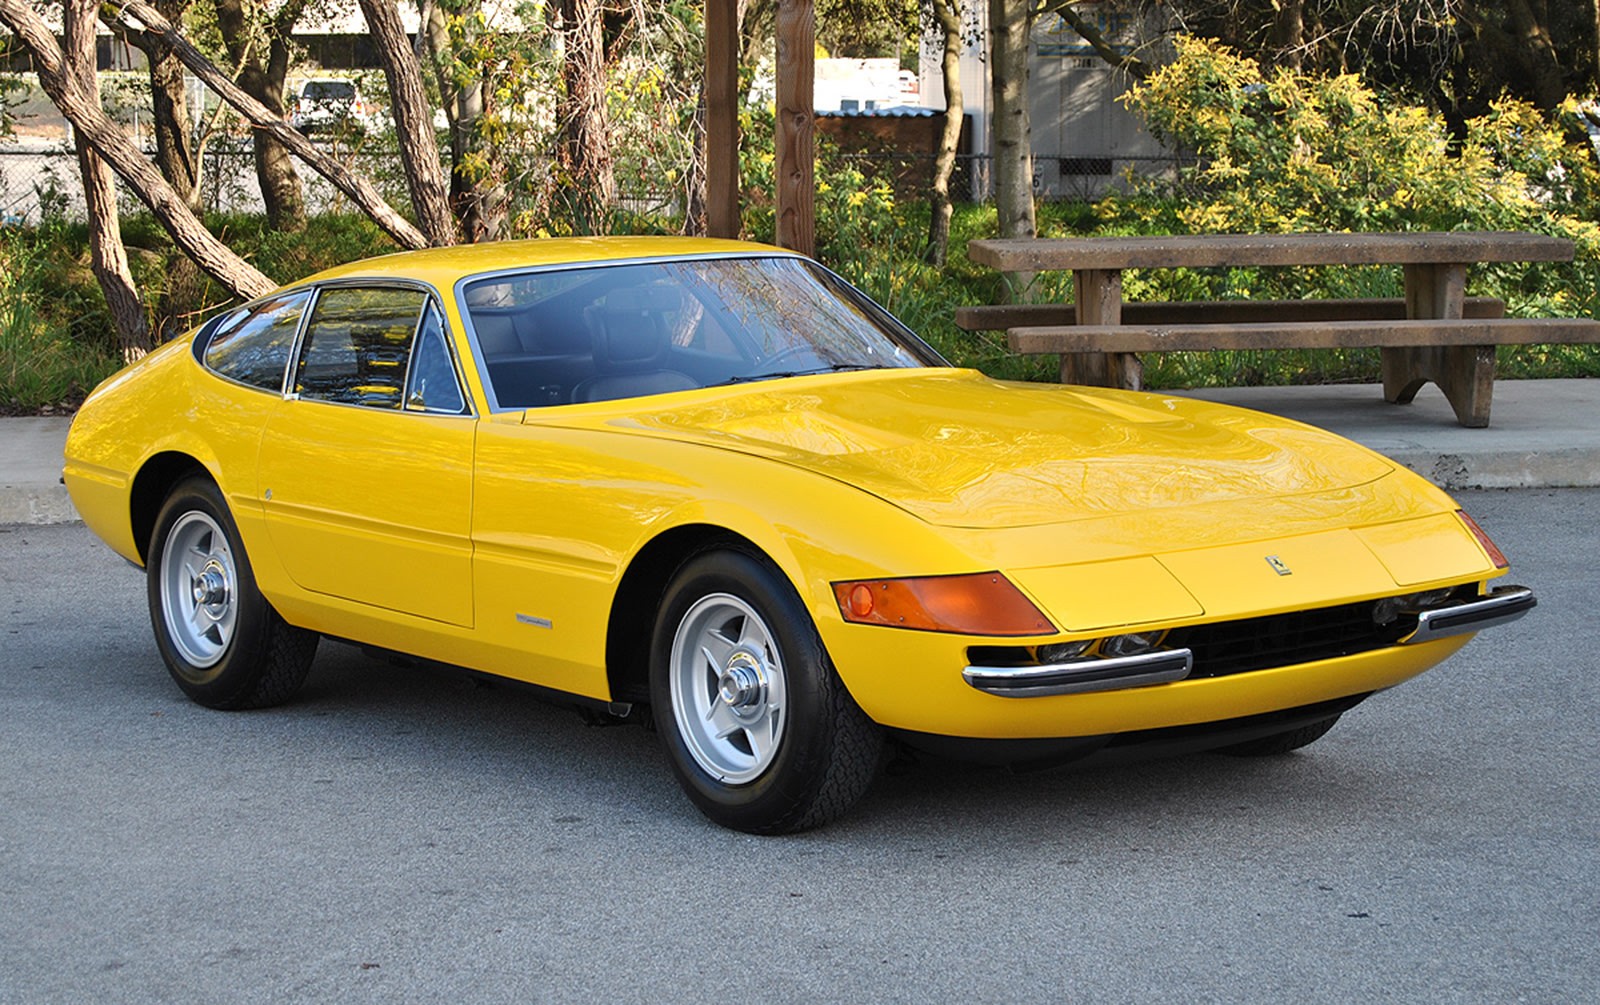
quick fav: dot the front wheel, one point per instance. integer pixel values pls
(759, 728)
(222, 642)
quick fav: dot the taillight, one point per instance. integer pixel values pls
(984, 603)
(1495, 554)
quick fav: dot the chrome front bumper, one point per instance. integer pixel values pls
(1079, 676)
(1505, 604)
(1502, 605)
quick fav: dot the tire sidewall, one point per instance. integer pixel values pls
(800, 766)
(224, 683)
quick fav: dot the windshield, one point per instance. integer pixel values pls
(616, 331)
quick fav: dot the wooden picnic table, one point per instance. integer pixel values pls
(1437, 333)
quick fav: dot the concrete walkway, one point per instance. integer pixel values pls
(1544, 434)
(30, 471)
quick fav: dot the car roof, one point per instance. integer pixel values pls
(442, 267)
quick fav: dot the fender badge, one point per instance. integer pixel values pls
(1278, 566)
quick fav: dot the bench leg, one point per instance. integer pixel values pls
(1103, 369)
(1464, 373)
(1097, 296)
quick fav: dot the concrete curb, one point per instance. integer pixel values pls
(21, 504)
(1542, 433)
(30, 471)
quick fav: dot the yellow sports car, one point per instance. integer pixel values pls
(710, 485)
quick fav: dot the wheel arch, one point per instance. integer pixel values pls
(641, 589)
(150, 488)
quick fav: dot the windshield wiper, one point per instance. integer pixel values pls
(777, 374)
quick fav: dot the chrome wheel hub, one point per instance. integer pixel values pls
(728, 688)
(210, 587)
(741, 686)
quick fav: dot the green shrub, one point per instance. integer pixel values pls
(1287, 152)
(42, 364)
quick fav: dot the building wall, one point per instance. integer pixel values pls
(1084, 138)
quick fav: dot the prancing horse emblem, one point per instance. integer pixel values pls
(1278, 566)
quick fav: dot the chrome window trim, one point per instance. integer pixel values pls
(459, 290)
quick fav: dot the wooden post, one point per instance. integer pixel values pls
(795, 171)
(722, 118)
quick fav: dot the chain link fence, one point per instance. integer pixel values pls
(39, 178)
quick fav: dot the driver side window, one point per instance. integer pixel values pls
(378, 347)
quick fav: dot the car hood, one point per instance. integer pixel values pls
(959, 449)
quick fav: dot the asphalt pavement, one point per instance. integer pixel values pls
(1542, 434)
(409, 835)
(412, 834)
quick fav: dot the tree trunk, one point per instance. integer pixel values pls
(478, 201)
(694, 179)
(109, 258)
(281, 191)
(1288, 33)
(947, 15)
(274, 164)
(586, 151)
(359, 189)
(110, 142)
(1537, 54)
(175, 154)
(413, 124)
(1010, 25)
(718, 119)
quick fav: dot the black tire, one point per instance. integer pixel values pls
(1281, 743)
(799, 751)
(222, 642)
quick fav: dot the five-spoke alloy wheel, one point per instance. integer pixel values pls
(199, 590)
(728, 688)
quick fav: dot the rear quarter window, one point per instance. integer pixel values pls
(252, 345)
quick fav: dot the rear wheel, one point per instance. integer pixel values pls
(222, 642)
(757, 724)
(1281, 743)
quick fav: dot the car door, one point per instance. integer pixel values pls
(365, 468)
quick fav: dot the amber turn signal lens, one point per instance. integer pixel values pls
(984, 603)
(1495, 554)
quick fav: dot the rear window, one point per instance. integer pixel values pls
(252, 344)
(329, 90)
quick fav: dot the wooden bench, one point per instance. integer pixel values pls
(1435, 333)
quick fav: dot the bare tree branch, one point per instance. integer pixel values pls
(110, 142)
(359, 189)
(1089, 33)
